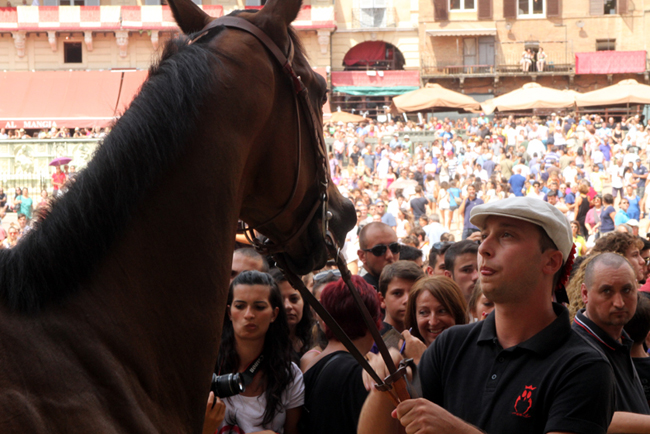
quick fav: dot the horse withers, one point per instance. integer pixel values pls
(111, 307)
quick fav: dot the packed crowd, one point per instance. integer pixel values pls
(444, 258)
(53, 133)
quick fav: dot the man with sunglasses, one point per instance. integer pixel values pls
(378, 247)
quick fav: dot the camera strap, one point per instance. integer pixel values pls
(249, 373)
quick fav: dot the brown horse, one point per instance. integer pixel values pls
(111, 307)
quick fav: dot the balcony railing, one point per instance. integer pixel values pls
(507, 60)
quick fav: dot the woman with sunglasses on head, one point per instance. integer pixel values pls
(299, 316)
(255, 329)
(333, 383)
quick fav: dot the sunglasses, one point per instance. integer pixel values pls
(323, 275)
(441, 245)
(380, 249)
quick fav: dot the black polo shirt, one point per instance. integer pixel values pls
(629, 390)
(542, 385)
(372, 280)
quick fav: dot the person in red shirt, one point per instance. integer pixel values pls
(58, 179)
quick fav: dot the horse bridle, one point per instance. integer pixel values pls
(394, 383)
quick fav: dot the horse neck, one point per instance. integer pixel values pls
(163, 286)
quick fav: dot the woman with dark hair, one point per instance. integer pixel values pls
(582, 207)
(299, 317)
(334, 387)
(255, 328)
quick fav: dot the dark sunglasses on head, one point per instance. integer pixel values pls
(326, 275)
(441, 245)
(380, 249)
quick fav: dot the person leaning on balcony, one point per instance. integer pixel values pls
(541, 59)
(526, 60)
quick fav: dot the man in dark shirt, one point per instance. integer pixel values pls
(609, 291)
(467, 204)
(419, 203)
(378, 247)
(521, 370)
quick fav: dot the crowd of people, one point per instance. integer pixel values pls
(463, 265)
(53, 133)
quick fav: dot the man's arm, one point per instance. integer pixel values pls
(624, 422)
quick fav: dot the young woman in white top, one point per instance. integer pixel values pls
(256, 325)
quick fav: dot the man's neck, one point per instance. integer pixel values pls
(516, 323)
(614, 332)
(397, 325)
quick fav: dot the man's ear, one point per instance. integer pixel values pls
(429, 270)
(448, 274)
(382, 300)
(585, 293)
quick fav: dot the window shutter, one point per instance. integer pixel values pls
(621, 6)
(509, 8)
(441, 12)
(484, 9)
(553, 8)
(596, 7)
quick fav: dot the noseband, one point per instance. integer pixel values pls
(394, 384)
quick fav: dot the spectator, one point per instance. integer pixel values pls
(395, 284)
(378, 247)
(461, 266)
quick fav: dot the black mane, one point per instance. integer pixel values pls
(66, 246)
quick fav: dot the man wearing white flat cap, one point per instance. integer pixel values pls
(522, 369)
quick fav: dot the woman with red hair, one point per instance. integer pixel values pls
(334, 390)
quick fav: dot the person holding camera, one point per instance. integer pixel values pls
(261, 387)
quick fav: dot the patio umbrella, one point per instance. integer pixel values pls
(531, 96)
(624, 92)
(60, 160)
(434, 96)
(345, 117)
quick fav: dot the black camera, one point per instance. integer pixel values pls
(227, 385)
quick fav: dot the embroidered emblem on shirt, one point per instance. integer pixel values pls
(524, 402)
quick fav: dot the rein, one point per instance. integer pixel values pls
(394, 384)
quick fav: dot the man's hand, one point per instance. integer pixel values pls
(424, 417)
(475, 236)
(413, 348)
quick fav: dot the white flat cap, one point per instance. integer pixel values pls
(531, 210)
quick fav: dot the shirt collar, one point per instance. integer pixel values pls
(544, 342)
(599, 334)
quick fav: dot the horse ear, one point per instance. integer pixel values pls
(284, 10)
(189, 17)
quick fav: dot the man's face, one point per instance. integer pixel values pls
(552, 199)
(375, 236)
(465, 273)
(394, 302)
(510, 259)
(243, 263)
(471, 192)
(22, 221)
(638, 263)
(380, 208)
(611, 300)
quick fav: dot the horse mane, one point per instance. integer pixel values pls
(65, 247)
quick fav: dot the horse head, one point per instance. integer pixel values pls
(286, 170)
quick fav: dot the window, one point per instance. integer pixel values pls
(70, 2)
(72, 52)
(608, 7)
(372, 13)
(530, 8)
(255, 2)
(605, 44)
(462, 5)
